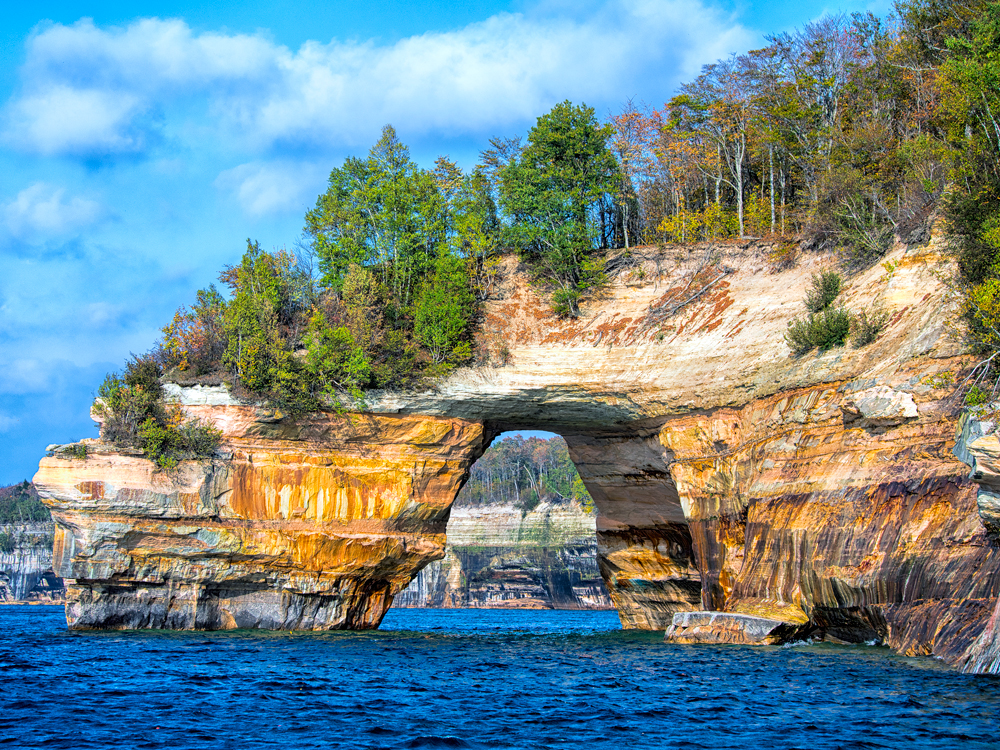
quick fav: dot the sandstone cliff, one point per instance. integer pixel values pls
(499, 557)
(818, 492)
(26, 570)
(311, 525)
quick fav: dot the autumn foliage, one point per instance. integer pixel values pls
(844, 135)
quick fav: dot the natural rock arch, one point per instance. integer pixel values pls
(820, 492)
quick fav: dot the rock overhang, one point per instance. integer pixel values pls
(717, 462)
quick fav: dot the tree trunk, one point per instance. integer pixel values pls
(770, 161)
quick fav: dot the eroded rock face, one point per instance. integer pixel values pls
(309, 526)
(26, 571)
(863, 533)
(726, 627)
(821, 492)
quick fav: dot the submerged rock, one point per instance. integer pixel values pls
(730, 627)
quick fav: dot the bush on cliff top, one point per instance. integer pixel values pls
(135, 416)
(828, 326)
(823, 291)
(822, 330)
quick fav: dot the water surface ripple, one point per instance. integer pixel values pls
(470, 679)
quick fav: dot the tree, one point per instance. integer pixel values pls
(476, 236)
(970, 108)
(444, 311)
(383, 211)
(719, 108)
(195, 339)
(333, 359)
(630, 141)
(523, 472)
(553, 193)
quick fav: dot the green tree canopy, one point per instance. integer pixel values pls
(383, 211)
(444, 311)
(553, 194)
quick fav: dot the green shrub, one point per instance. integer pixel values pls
(825, 288)
(565, 302)
(199, 438)
(831, 327)
(127, 400)
(168, 444)
(77, 450)
(134, 416)
(822, 330)
(160, 442)
(799, 336)
(976, 396)
(7, 542)
(867, 325)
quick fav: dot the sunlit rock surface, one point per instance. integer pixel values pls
(309, 526)
(726, 627)
(824, 492)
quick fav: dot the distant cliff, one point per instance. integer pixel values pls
(500, 557)
(26, 564)
(26, 536)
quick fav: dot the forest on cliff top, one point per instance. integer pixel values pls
(845, 135)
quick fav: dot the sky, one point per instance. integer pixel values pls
(142, 143)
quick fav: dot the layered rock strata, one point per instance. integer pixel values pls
(727, 627)
(500, 557)
(820, 491)
(312, 525)
(26, 574)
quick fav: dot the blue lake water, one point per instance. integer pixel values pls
(470, 679)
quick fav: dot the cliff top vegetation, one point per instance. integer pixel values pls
(841, 136)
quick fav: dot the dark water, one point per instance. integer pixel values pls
(470, 679)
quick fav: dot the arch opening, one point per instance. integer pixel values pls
(566, 520)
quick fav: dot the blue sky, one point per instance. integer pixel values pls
(142, 143)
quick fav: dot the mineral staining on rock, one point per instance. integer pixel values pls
(310, 526)
(821, 492)
(26, 533)
(26, 570)
(726, 627)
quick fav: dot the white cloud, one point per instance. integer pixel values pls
(7, 422)
(100, 314)
(41, 212)
(272, 187)
(90, 90)
(24, 375)
(63, 119)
